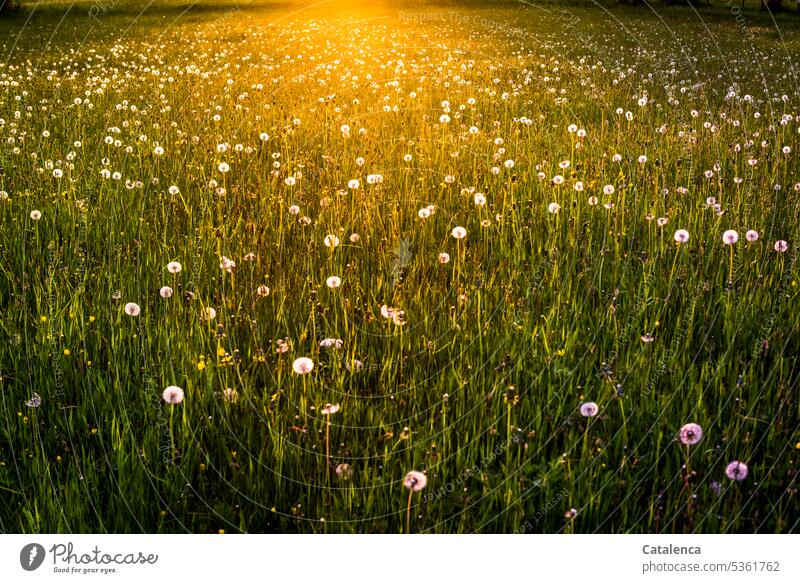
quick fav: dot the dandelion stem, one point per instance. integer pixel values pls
(408, 512)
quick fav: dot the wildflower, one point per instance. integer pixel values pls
(333, 282)
(132, 309)
(781, 246)
(208, 314)
(331, 241)
(262, 290)
(331, 342)
(459, 233)
(423, 213)
(690, 434)
(344, 471)
(444, 258)
(415, 481)
(34, 401)
(479, 199)
(36, 215)
(166, 292)
(751, 236)
(294, 209)
(227, 264)
(230, 395)
(608, 189)
(730, 237)
(589, 409)
(736, 470)
(174, 267)
(329, 409)
(681, 236)
(173, 395)
(303, 365)
(553, 208)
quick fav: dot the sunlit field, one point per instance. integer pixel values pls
(375, 268)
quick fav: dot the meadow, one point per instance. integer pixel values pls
(377, 268)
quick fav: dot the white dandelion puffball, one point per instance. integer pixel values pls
(303, 365)
(423, 213)
(173, 395)
(730, 237)
(174, 267)
(226, 264)
(132, 309)
(589, 409)
(553, 208)
(36, 215)
(331, 241)
(681, 236)
(333, 282)
(444, 258)
(166, 292)
(331, 343)
(294, 210)
(415, 481)
(329, 409)
(459, 233)
(208, 314)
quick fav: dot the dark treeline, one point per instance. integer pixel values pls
(774, 6)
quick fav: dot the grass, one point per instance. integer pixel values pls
(479, 378)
